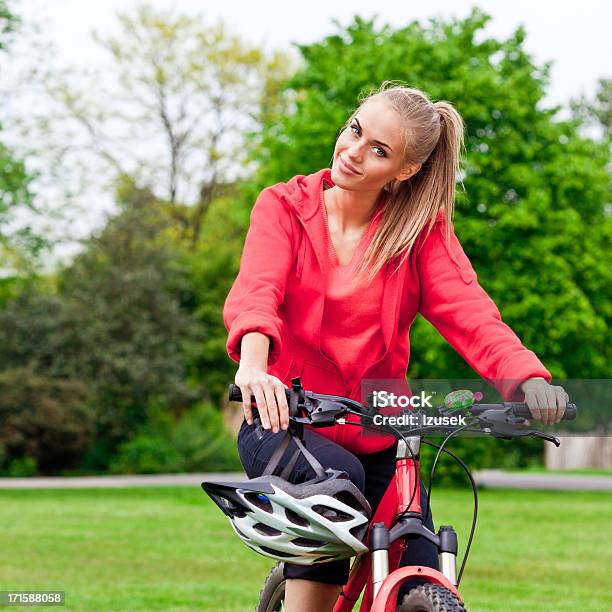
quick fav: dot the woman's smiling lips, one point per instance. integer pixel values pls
(344, 166)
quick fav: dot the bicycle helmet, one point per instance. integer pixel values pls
(320, 520)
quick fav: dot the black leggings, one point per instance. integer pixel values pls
(371, 473)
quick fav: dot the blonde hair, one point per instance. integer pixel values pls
(433, 137)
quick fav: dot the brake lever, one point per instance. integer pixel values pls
(319, 412)
(545, 436)
(504, 425)
(535, 433)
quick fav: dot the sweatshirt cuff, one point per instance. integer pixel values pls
(520, 368)
(252, 322)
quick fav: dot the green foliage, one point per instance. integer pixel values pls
(118, 321)
(126, 291)
(36, 330)
(8, 22)
(15, 180)
(197, 442)
(45, 423)
(597, 111)
(211, 269)
(22, 467)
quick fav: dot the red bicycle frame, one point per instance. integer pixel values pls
(378, 570)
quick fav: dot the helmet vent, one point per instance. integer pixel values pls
(346, 498)
(230, 506)
(331, 514)
(294, 517)
(359, 531)
(307, 542)
(259, 500)
(266, 529)
(276, 553)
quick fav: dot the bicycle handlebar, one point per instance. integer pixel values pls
(519, 409)
(505, 420)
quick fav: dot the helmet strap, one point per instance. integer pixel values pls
(280, 451)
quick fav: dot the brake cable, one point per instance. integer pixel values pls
(475, 514)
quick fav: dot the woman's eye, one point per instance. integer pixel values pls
(356, 128)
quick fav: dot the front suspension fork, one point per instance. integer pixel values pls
(381, 539)
(447, 553)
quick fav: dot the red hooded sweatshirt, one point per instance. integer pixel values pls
(279, 291)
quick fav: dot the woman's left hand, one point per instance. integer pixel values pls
(546, 402)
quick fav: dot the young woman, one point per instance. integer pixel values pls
(336, 266)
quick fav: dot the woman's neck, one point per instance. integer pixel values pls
(349, 209)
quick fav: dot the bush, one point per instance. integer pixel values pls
(45, 423)
(22, 467)
(197, 442)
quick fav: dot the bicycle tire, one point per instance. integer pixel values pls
(424, 598)
(430, 598)
(272, 596)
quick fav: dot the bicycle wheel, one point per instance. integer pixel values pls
(430, 598)
(272, 596)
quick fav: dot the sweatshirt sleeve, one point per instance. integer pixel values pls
(468, 319)
(253, 300)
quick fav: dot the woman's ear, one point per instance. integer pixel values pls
(408, 172)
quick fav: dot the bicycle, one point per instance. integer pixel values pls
(398, 516)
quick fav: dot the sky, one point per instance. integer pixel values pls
(574, 36)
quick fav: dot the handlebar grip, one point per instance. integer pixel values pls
(522, 410)
(235, 394)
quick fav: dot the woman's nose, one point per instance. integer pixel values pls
(354, 152)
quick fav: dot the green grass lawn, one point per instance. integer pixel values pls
(171, 548)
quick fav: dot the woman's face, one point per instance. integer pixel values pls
(372, 144)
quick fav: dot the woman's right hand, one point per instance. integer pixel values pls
(270, 397)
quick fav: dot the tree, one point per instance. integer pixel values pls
(46, 420)
(15, 193)
(210, 267)
(175, 102)
(129, 291)
(117, 319)
(532, 217)
(597, 111)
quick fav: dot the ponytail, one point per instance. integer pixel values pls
(433, 137)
